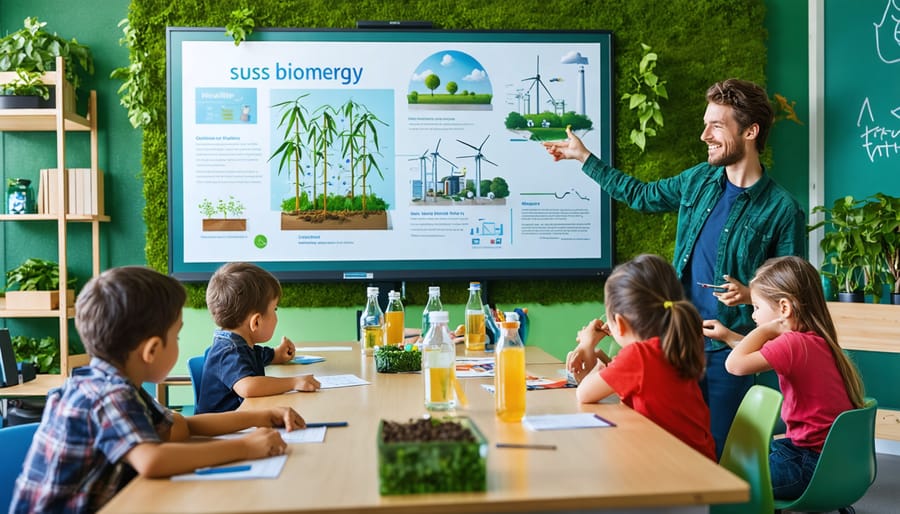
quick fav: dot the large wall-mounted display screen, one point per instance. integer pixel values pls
(387, 154)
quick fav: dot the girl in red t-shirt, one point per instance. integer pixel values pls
(657, 371)
(795, 336)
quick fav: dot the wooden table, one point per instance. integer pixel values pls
(633, 465)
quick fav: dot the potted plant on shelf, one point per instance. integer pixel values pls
(888, 210)
(33, 50)
(26, 91)
(43, 352)
(852, 248)
(37, 283)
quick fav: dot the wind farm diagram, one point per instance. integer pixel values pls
(442, 181)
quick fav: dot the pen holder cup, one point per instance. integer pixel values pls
(430, 466)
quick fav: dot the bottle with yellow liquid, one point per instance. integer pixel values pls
(371, 323)
(393, 320)
(475, 332)
(509, 371)
(438, 363)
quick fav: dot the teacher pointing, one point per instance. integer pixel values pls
(731, 217)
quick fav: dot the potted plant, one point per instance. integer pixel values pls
(851, 249)
(43, 352)
(888, 230)
(37, 283)
(33, 49)
(26, 91)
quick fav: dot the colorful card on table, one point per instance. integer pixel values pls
(307, 359)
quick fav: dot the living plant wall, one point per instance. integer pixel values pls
(697, 43)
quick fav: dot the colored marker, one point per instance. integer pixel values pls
(223, 469)
(527, 446)
(712, 286)
(327, 424)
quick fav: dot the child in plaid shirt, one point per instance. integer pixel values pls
(101, 429)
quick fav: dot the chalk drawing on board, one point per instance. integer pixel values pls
(878, 141)
(887, 33)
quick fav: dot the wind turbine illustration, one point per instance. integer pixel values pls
(537, 84)
(435, 155)
(478, 158)
(576, 58)
(423, 166)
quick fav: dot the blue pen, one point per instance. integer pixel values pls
(327, 424)
(223, 469)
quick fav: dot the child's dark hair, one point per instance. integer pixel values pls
(124, 306)
(796, 280)
(646, 292)
(239, 289)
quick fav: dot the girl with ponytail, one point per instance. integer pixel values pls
(662, 358)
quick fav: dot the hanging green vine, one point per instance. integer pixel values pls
(645, 99)
(241, 24)
(135, 81)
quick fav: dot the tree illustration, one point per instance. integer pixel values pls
(432, 82)
(452, 87)
(294, 122)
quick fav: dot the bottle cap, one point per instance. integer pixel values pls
(394, 295)
(371, 290)
(511, 316)
(439, 316)
(474, 286)
(432, 290)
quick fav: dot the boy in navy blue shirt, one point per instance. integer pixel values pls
(101, 429)
(242, 299)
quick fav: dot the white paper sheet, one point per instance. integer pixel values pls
(269, 467)
(565, 421)
(332, 381)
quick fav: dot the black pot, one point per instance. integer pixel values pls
(854, 297)
(20, 102)
(895, 298)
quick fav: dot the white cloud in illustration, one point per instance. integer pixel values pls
(476, 75)
(421, 76)
(447, 60)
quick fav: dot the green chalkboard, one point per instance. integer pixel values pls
(862, 98)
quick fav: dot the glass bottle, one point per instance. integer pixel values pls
(438, 363)
(475, 332)
(509, 371)
(393, 320)
(20, 197)
(371, 323)
(433, 304)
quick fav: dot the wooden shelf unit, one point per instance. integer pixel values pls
(61, 119)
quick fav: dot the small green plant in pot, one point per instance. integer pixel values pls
(24, 92)
(43, 352)
(34, 284)
(888, 209)
(34, 49)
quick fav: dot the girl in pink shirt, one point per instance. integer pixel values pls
(795, 336)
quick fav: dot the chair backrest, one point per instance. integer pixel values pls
(195, 370)
(14, 444)
(746, 451)
(847, 465)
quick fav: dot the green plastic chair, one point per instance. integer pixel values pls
(746, 451)
(195, 370)
(846, 467)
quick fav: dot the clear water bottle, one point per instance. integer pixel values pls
(393, 320)
(371, 323)
(438, 363)
(475, 331)
(433, 305)
(20, 197)
(509, 371)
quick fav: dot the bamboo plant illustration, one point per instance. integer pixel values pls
(348, 142)
(322, 132)
(360, 133)
(294, 121)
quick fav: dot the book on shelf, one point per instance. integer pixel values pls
(84, 195)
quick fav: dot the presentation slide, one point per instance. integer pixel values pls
(370, 154)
